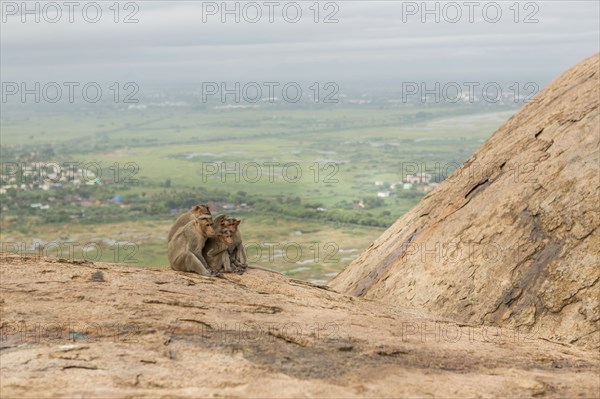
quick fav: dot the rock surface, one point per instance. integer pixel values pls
(511, 238)
(72, 329)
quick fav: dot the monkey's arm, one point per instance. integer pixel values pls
(200, 258)
(219, 257)
(216, 250)
(185, 260)
(196, 245)
(194, 264)
(241, 255)
(237, 252)
(226, 262)
(233, 257)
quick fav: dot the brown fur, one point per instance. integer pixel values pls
(237, 253)
(215, 251)
(220, 223)
(186, 245)
(196, 211)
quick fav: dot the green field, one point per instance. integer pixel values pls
(301, 172)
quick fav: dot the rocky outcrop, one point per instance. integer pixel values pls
(511, 238)
(72, 329)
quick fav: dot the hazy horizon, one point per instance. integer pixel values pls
(372, 44)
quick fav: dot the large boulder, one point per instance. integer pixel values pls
(511, 238)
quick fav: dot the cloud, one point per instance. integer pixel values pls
(371, 41)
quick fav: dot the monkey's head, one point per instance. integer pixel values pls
(205, 224)
(224, 222)
(220, 222)
(200, 209)
(233, 224)
(227, 236)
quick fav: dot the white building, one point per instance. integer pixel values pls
(419, 178)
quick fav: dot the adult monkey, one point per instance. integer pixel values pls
(186, 245)
(196, 211)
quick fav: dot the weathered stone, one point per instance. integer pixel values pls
(160, 333)
(521, 215)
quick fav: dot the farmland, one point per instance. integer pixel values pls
(314, 186)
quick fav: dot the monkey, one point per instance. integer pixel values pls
(237, 253)
(196, 211)
(215, 251)
(185, 247)
(236, 261)
(220, 223)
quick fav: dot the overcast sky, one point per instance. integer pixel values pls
(371, 42)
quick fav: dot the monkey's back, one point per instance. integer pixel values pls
(186, 239)
(181, 221)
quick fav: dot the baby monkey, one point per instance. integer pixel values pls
(215, 251)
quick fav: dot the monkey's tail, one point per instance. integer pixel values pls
(262, 268)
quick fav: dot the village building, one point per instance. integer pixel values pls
(419, 178)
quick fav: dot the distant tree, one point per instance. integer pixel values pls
(373, 202)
